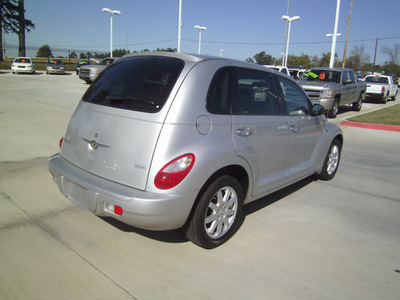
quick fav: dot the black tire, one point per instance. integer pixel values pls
(332, 160)
(218, 214)
(357, 105)
(332, 113)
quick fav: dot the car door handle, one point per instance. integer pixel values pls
(294, 128)
(244, 131)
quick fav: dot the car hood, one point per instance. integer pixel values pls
(317, 85)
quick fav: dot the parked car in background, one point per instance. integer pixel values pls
(23, 65)
(381, 87)
(81, 63)
(296, 73)
(332, 88)
(55, 66)
(166, 140)
(281, 69)
(89, 73)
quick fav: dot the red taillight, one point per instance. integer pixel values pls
(383, 89)
(60, 142)
(174, 172)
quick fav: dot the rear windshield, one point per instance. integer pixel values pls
(55, 62)
(136, 83)
(376, 79)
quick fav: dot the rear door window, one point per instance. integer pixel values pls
(256, 93)
(136, 83)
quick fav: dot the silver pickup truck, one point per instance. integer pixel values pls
(332, 88)
(90, 72)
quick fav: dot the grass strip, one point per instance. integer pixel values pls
(389, 116)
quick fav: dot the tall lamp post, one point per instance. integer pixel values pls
(332, 60)
(112, 12)
(200, 28)
(335, 34)
(289, 20)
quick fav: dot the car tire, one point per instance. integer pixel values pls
(357, 105)
(332, 113)
(331, 162)
(218, 214)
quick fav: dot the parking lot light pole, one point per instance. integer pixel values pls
(112, 12)
(289, 20)
(332, 60)
(200, 28)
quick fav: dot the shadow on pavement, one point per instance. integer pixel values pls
(177, 235)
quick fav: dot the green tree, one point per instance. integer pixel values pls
(120, 52)
(73, 55)
(44, 51)
(12, 19)
(263, 59)
(302, 61)
(358, 59)
(391, 66)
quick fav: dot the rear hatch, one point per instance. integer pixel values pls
(114, 130)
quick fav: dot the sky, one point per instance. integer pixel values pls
(242, 28)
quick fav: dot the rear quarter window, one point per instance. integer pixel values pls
(136, 83)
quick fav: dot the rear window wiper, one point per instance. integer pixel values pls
(129, 100)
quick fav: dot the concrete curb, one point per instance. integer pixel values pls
(386, 127)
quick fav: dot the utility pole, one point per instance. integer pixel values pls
(376, 48)
(347, 35)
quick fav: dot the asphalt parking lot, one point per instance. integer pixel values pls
(313, 240)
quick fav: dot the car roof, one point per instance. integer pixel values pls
(327, 68)
(196, 58)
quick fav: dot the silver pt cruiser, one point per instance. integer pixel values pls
(163, 141)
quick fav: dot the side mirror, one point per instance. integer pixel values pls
(317, 110)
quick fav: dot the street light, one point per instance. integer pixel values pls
(332, 60)
(200, 28)
(112, 12)
(335, 34)
(289, 20)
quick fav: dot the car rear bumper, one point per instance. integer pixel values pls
(375, 95)
(147, 210)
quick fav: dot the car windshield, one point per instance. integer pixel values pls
(23, 60)
(376, 79)
(136, 83)
(321, 76)
(107, 61)
(55, 62)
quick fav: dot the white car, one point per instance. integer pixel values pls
(23, 65)
(281, 69)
